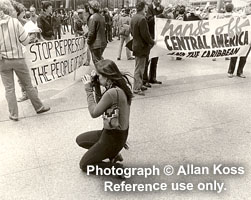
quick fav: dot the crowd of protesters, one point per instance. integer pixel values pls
(101, 26)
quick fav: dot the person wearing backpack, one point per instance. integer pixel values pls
(124, 31)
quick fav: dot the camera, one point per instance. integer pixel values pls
(94, 78)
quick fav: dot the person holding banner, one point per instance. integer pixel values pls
(96, 36)
(141, 46)
(242, 61)
(12, 60)
(154, 9)
(44, 21)
(108, 142)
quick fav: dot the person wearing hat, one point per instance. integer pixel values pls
(108, 142)
(96, 36)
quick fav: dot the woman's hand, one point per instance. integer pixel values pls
(86, 79)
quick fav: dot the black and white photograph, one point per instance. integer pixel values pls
(125, 99)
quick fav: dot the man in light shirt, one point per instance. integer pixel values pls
(12, 37)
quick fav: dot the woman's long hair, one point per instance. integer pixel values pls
(109, 69)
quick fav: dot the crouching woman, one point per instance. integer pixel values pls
(114, 105)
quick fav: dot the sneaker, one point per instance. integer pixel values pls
(139, 92)
(230, 75)
(241, 75)
(44, 109)
(131, 58)
(87, 64)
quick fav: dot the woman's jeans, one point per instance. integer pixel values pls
(102, 144)
(7, 69)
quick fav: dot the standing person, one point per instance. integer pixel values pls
(87, 16)
(71, 22)
(45, 21)
(116, 19)
(124, 27)
(96, 35)
(154, 9)
(233, 60)
(34, 16)
(19, 14)
(56, 24)
(108, 142)
(12, 60)
(79, 23)
(141, 46)
(181, 15)
(65, 22)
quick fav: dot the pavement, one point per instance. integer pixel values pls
(197, 116)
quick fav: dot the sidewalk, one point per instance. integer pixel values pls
(197, 116)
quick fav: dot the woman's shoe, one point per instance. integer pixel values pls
(117, 158)
(131, 58)
(118, 59)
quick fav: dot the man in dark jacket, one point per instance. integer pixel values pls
(142, 43)
(44, 21)
(154, 9)
(96, 35)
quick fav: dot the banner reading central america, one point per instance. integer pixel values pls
(227, 37)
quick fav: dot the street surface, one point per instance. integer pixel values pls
(197, 116)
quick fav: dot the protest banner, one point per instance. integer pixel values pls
(51, 60)
(227, 37)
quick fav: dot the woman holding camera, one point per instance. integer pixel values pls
(115, 107)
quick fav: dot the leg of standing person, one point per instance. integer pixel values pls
(55, 33)
(232, 66)
(138, 75)
(128, 52)
(59, 32)
(145, 75)
(7, 76)
(120, 47)
(110, 33)
(242, 63)
(23, 74)
(97, 54)
(24, 94)
(153, 71)
(88, 57)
